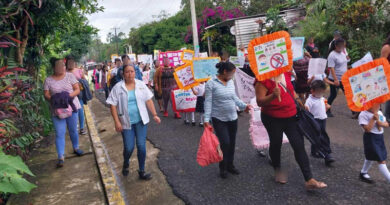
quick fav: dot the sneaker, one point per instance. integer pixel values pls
(201, 124)
(60, 163)
(165, 114)
(364, 177)
(193, 124)
(186, 122)
(79, 152)
(329, 160)
(83, 131)
(144, 176)
(261, 153)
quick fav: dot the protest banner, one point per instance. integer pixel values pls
(238, 61)
(184, 76)
(155, 54)
(270, 55)
(187, 55)
(367, 58)
(204, 68)
(367, 84)
(257, 131)
(244, 86)
(297, 47)
(145, 77)
(114, 56)
(145, 58)
(173, 56)
(317, 66)
(183, 100)
(133, 57)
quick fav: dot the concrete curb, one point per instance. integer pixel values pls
(111, 187)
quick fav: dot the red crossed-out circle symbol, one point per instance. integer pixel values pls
(277, 60)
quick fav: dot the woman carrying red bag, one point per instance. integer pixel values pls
(220, 106)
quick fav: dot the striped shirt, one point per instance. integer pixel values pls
(221, 101)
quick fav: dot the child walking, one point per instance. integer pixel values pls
(316, 105)
(373, 121)
(199, 92)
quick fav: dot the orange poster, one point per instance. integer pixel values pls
(270, 55)
(367, 84)
(184, 76)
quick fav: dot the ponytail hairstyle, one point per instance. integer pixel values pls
(335, 43)
(225, 66)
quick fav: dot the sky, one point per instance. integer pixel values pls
(125, 14)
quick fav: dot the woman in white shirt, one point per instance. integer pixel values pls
(129, 100)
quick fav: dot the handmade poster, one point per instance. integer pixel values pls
(145, 77)
(114, 56)
(238, 61)
(367, 84)
(297, 47)
(155, 54)
(203, 55)
(244, 86)
(204, 68)
(133, 57)
(173, 62)
(187, 55)
(184, 77)
(257, 131)
(270, 55)
(145, 58)
(317, 66)
(367, 58)
(183, 100)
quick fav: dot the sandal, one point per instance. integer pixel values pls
(280, 177)
(313, 184)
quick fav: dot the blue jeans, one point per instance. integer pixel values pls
(81, 114)
(137, 133)
(60, 127)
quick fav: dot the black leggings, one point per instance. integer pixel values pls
(333, 92)
(275, 128)
(226, 133)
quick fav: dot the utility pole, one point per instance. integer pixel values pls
(194, 28)
(116, 41)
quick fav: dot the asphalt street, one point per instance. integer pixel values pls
(178, 144)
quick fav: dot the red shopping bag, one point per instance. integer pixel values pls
(209, 150)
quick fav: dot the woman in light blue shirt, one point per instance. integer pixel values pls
(220, 107)
(129, 99)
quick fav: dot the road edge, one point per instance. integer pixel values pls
(110, 185)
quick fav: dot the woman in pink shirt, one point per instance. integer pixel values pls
(79, 74)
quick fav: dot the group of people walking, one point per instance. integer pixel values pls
(131, 98)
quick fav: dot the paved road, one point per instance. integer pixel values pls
(178, 145)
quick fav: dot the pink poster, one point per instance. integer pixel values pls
(173, 56)
(257, 131)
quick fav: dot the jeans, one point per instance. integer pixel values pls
(333, 92)
(275, 128)
(136, 133)
(324, 138)
(60, 128)
(226, 133)
(81, 114)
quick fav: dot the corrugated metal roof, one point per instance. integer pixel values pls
(246, 28)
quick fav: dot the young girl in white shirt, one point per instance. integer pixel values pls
(373, 121)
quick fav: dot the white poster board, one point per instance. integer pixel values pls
(297, 47)
(145, 58)
(133, 57)
(183, 100)
(238, 61)
(367, 58)
(317, 66)
(244, 86)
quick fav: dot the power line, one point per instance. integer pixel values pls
(116, 40)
